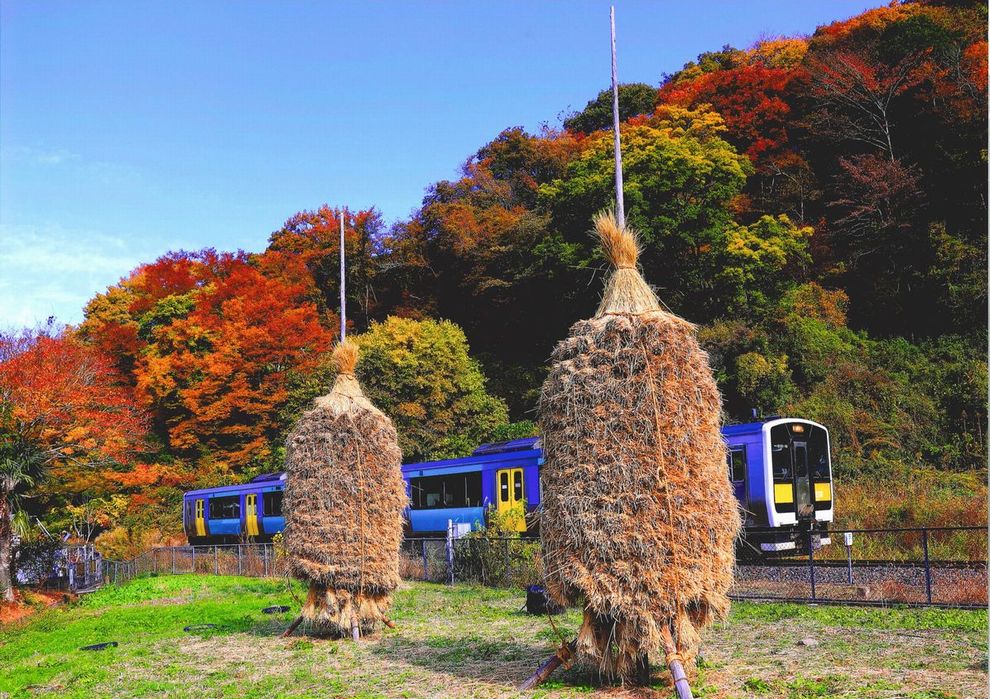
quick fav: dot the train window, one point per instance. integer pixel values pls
(517, 485)
(818, 455)
(454, 490)
(271, 503)
(801, 460)
(503, 486)
(227, 507)
(737, 464)
(780, 453)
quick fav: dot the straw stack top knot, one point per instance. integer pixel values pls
(346, 394)
(621, 245)
(626, 291)
(345, 357)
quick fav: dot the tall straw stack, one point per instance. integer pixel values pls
(638, 515)
(344, 497)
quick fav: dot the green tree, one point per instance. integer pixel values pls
(634, 99)
(680, 180)
(420, 374)
(761, 261)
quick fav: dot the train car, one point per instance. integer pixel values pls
(235, 513)
(780, 469)
(503, 476)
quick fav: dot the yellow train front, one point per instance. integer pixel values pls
(781, 470)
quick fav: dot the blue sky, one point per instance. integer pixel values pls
(130, 128)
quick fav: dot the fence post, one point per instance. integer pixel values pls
(193, 559)
(239, 551)
(811, 564)
(505, 551)
(172, 549)
(264, 556)
(216, 560)
(426, 565)
(450, 551)
(848, 537)
(928, 567)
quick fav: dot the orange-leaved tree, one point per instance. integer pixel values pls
(209, 341)
(59, 404)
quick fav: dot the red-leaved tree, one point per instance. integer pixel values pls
(59, 404)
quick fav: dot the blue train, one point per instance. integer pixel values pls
(780, 469)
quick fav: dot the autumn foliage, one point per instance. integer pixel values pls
(815, 204)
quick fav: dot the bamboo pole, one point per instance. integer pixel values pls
(343, 297)
(620, 208)
(544, 671)
(675, 666)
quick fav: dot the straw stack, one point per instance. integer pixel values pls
(638, 516)
(344, 497)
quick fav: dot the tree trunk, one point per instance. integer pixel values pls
(6, 549)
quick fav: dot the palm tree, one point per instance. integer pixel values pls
(20, 464)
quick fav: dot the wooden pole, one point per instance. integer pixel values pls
(292, 626)
(544, 671)
(620, 207)
(343, 297)
(675, 666)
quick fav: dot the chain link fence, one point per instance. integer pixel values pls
(939, 566)
(254, 560)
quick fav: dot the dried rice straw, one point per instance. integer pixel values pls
(638, 515)
(344, 498)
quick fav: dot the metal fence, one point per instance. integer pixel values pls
(492, 561)
(71, 568)
(940, 566)
(255, 560)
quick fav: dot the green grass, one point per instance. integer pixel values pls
(459, 642)
(865, 617)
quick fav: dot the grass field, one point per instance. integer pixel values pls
(460, 642)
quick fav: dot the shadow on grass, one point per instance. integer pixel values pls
(270, 627)
(474, 657)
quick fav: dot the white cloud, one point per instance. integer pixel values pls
(38, 156)
(52, 271)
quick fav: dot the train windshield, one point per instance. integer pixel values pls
(818, 455)
(801, 450)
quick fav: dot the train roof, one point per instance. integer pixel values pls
(757, 426)
(524, 444)
(485, 454)
(253, 484)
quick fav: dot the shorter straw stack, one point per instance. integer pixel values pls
(344, 498)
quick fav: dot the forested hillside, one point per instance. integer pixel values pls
(817, 206)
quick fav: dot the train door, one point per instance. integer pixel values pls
(511, 489)
(200, 519)
(802, 481)
(251, 514)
